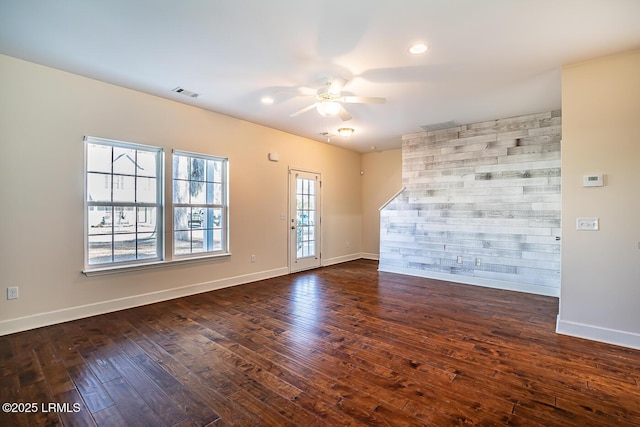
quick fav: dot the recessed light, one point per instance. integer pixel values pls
(418, 48)
(267, 100)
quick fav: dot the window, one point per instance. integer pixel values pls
(123, 196)
(200, 204)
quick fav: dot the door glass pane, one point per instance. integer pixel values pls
(305, 218)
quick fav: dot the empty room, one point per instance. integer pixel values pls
(320, 213)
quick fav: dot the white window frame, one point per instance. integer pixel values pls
(158, 205)
(222, 207)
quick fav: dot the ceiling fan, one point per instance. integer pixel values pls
(329, 100)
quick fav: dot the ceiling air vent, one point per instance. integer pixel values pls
(185, 92)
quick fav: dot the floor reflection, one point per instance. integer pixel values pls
(306, 307)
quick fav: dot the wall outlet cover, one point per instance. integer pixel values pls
(587, 224)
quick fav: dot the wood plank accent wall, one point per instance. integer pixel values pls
(486, 194)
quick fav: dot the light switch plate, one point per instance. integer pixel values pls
(588, 224)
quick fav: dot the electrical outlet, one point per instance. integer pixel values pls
(12, 292)
(478, 262)
(459, 259)
(588, 224)
(253, 258)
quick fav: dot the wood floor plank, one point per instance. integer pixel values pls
(344, 345)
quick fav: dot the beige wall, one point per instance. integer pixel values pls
(44, 114)
(601, 134)
(381, 180)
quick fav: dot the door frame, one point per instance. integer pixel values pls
(291, 219)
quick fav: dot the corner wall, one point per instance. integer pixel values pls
(481, 205)
(601, 135)
(381, 179)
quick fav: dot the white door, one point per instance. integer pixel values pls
(304, 220)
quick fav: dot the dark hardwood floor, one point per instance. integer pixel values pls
(342, 345)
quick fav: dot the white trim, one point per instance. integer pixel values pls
(384, 205)
(371, 256)
(476, 281)
(58, 316)
(597, 333)
(155, 264)
(340, 259)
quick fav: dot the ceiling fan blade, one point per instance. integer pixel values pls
(344, 114)
(363, 100)
(304, 110)
(336, 85)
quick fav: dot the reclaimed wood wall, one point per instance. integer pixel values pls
(481, 205)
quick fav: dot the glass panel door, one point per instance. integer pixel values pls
(304, 220)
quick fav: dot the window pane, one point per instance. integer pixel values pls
(218, 243)
(124, 247)
(197, 239)
(180, 167)
(146, 190)
(124, 220)
(98, 158)
(124, 189)
(217, 199)
(182, 218)
(99, 249)
(147, 247)
(198, 193)
(146, 225)
(180, 191)
(182, 242)
(213, 218)
(124, 161)
(99, 219)
(146, 164)
(217, 170)
(197, 172)
(98, 187)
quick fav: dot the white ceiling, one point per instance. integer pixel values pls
(487, 59)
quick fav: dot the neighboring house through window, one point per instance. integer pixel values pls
(123, 203)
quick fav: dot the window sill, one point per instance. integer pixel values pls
(100, 271)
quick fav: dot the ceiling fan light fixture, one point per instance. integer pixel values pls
(267, 100)
(346, 132)
(328, 108)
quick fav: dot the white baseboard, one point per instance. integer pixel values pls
(58, 316)
(374, 257)
(476, 281)
(340, 259)
(597, 333)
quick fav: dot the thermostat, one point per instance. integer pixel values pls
(592, 181)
